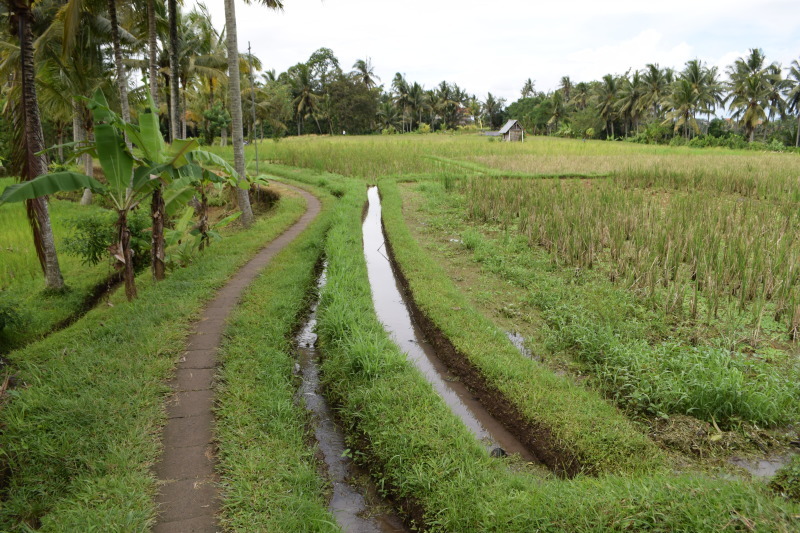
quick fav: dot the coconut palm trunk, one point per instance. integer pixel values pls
(152, 49)
(174, 90)
(235, 100)
(122, 77)
(33, 164)
(797, 136)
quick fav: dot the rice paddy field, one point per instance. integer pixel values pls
(665, 278)
(629, 314)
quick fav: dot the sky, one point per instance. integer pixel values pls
(495, 46)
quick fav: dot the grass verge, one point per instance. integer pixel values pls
(269, 473)
(580, 424)
(422, 455)
(82, 429)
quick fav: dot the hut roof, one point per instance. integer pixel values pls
(508, 125)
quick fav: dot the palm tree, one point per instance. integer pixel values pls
(305, 100)
(705, 84)
(235, 102)
(416, 102)
(119, 65)
(387, 114)
(566, 87)
(476, 110)
(631, 99)
(71, 65)
(202, 54)
(778, 86)
(750, 89)
(656, 86)
(683, 103)
(434, 103)
(581, 95)
(400, 87)
(28, 161)
(606, 94)
(528, 89)
(793, 95)
(558, 108)
(493, 107)
(174, 88)
(365, 72)
(152, 49)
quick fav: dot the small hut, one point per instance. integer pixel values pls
(512, 131)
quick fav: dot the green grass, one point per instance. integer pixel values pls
(82, 427)
(420, 453)
(787, 480)
(269, 473)
(578, 421)
(644, 358)
(21, 278)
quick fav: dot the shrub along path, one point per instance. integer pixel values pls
(188, 499)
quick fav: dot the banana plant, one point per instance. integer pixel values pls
(129, 177)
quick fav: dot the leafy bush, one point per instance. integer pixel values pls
(654, 133)
(678, 140)
(388, 131)
(95, 232)
(424, 128)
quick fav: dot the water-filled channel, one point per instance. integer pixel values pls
(355, 501)
(392, 310)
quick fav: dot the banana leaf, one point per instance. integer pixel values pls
(49, 184)
(114, 157)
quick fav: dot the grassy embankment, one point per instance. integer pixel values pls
(423, 455)
(82, 427)
(578, 421)
(269, 472)
(21, 279)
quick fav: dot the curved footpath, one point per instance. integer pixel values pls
(188, 498)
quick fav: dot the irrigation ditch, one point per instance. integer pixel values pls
(492, 419)
(354, 502)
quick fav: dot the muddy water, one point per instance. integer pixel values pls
(519, 343)
(766, 467)
(393, 312)
(355, 501)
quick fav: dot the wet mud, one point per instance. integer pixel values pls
(355, 501)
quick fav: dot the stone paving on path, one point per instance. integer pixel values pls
(188, 499)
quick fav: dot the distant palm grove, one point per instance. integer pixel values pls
(130, 49)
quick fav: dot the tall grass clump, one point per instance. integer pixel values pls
(694, 254)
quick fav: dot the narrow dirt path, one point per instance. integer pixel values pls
(188, 497)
